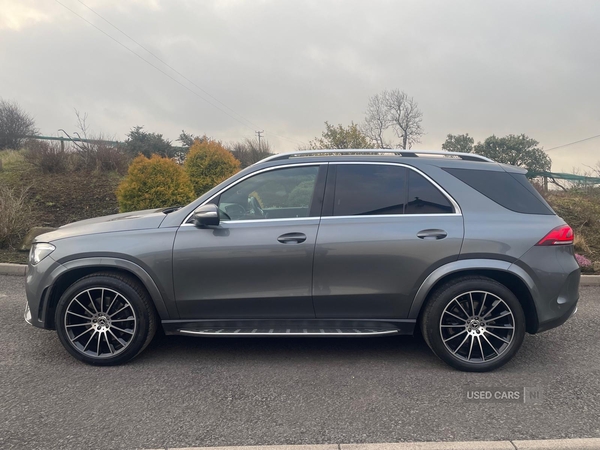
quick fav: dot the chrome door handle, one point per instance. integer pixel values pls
(432, 234)
(290, 238)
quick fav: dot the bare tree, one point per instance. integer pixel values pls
(405, 116)
(15, 124)
(393, 109)
(377, 121)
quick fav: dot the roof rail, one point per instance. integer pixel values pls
(396, 152)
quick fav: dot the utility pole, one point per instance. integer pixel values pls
(259, 134)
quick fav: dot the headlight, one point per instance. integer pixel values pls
(39, 251)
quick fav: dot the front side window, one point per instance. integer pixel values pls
(276, 194)
(369, 189)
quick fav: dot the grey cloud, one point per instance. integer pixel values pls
(478, 67)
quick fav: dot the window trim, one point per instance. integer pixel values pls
(319, 166)
(331, 191)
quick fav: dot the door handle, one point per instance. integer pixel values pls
(432, 234)
(290, 238)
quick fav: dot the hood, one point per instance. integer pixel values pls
(136, 220)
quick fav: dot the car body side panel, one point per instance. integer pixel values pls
(240, 269)
(503, 235)
(149, 249)
(368, 266)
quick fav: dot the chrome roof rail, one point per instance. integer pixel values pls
(359, 152)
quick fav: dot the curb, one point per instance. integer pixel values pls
(13, 269)
(21, 269)
(590, 280)
(550, 444)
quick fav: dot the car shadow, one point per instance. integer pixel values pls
(391, 348)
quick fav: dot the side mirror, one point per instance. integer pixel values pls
(206, 216)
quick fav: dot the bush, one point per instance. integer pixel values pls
(14, 216)
(14, 125)
(48, 157)
(154, 183)
(301, 195)
(248, 151)
(101, 157)
(140, 142)
(10, 157)
(208, 163)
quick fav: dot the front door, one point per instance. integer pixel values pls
(384, 228)
(258, 262)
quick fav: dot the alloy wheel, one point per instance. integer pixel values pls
(477, 326)
(100, 322)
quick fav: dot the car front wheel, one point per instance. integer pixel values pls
(105, 319)
(474, 324)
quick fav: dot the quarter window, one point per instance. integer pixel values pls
(276, 194)
(510, 190)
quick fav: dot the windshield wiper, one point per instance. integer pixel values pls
(170, 209)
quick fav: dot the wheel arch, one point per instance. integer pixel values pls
(511, 276)
(74, 270)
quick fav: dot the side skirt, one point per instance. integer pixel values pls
(289, 328)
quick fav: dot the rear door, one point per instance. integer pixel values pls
(385, 227)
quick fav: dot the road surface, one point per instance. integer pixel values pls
(207, 392)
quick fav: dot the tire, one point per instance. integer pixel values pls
(105, 319)
(467, 323)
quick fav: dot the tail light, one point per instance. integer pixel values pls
(561, 235)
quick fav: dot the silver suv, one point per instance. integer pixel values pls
(354, 243)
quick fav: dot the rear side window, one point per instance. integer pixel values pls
(510, 190)
(369, 189)
(424, 197)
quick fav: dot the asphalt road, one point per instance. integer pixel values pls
(207, 392)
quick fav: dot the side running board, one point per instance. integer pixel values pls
(289, 332)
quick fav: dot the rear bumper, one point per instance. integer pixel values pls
(558, 321)
(553, 282)
(557, 308)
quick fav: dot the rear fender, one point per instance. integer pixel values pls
(464, 266)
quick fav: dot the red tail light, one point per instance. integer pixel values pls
(562, 235)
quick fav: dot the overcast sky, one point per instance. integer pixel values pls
(477, 67)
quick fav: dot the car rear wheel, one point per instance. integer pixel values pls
(105, 319)
(474, 323)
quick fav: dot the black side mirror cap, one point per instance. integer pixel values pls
(206, 216)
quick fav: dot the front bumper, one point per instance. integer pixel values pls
(38, 282)
(27, 314)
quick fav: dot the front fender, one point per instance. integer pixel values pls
(465, 265)
(121, 264)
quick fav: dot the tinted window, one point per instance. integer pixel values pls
(369, 189)
(424, 197)
(510, 190)
(276, 194)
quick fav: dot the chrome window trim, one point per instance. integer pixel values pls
(311, 218)
(389, 216)
(457, 210)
